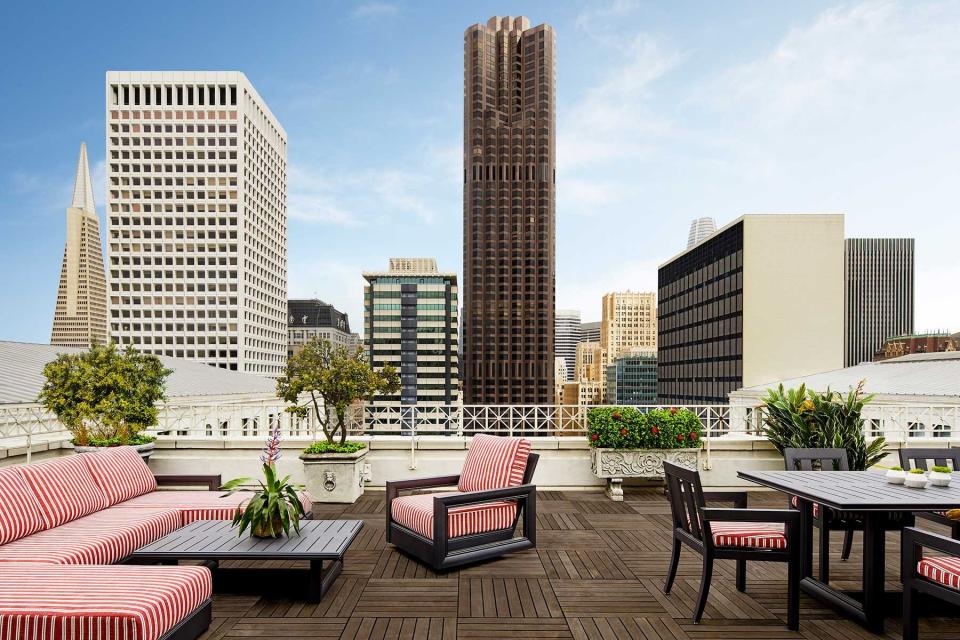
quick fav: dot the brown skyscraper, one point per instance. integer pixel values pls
(509, 159)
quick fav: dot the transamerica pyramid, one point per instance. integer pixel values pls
(80, 317)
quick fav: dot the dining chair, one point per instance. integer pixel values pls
(739, 534)
(940, 457)
(934, 575)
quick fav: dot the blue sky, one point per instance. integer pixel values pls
(666, 112)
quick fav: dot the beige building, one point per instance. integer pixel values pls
(80, 315)
(760, 300)
(628, 320)
(582, 393)
(590, 357)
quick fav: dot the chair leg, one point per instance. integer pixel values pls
(847, 544)
(704, 588)
(910, 626)
(793, 592)
(741, 575)
(824, 554)
(672, 569)
(955, 530)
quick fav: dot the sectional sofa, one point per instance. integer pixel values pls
(65, 523)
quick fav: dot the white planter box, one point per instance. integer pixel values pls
(616, 464)
(334, 477)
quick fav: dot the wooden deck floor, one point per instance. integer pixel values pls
(597, 572)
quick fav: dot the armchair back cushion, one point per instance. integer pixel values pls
(19, 514)
(494, 463)
(63, 488)
(120, 473)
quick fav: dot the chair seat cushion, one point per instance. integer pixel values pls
(19, 513)
(104, 537)
(416, 513)
(494, 462)
(197, 505)
(63, 488)
(120, 473)
(122, 602)
(751, 535)
(944, 570)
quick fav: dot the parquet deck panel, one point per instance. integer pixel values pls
(597, 573)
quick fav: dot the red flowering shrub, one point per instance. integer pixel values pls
(630, 428)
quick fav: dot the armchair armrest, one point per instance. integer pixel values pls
(476, 497)
(211, 482)
(738, 498)
(395, 487)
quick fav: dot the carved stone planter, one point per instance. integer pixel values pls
(334, 477)
(616, 464)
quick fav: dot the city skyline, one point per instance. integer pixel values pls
(659, 57)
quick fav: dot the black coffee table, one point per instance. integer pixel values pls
(320, 541)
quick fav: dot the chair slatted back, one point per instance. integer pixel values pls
(686, 498)
(813, 459)
(917, 458)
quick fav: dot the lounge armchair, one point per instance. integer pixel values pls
(476, 522)
(917, 459)
(934, 576)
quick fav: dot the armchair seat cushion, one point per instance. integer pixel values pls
(197, 505)
(944, 570)
(750, 535)
(416, 513)
(104, 537)
(97, 603)
(120, 473)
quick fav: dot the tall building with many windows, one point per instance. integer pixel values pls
(628, 320)
(509, 160)
(632, 377)
(410, 321)
(566, 336)
(700, 230)
(590, 332)
(80, 314)
(758, 301)
(197, 219)
(879, 294)
(312, 318)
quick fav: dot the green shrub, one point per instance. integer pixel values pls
(629, 428)
(940, 469)
(134, 441)
(917, 471)
(334, 447)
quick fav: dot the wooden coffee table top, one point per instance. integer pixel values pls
(218, 540)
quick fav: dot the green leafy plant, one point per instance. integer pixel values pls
(939, 469)
(104, 396)
(332, 379)
(630, 428)
(334, 447)
(803, 418)
(896, 468)
(918, 472)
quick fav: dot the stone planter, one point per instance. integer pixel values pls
(616, 464)
(334, 477)
(145, 450)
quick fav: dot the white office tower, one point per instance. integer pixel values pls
(566, 336)
(197, 219)
(700, 230)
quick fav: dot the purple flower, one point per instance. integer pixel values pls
(271, 451)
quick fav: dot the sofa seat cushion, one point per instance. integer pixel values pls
(197, 505)
(944, 570)
(416, 513)
(123, 602)
(104, 537)
(120, 473)
(750, 535)
(19, 513)
(63, 488)
(494, 463)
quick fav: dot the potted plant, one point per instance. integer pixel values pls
(940, 476)
(105, 397)
(324, 380)
(916, 479)
(629, 443)
(275, 505)
(895, 475)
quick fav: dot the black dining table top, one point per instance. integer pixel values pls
(858, 490)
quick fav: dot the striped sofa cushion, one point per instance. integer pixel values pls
(64, 489)
(104, 537)
(494, 463)
(945, 570)
(753, 535)
(197, 505)
(19, 514)
(416, 513)
(120, 473)
(123, 602)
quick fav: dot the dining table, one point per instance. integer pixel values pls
(861, 494)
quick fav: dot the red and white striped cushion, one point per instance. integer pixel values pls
(19, 514)
(120, 473)
(104, 537)
(945, 570)
(794, 502)
(494, 463)
(416, 513)
(64, 489)
(123, 602)
(198, 505)
(753, 535)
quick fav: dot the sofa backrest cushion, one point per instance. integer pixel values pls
(19, 514)
(120, 473)
(494, 463)
(63, 488)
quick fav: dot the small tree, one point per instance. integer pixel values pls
(103, 396)
(333, 378)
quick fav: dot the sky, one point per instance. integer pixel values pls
(666, 112)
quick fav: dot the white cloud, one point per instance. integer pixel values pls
(369, 10)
